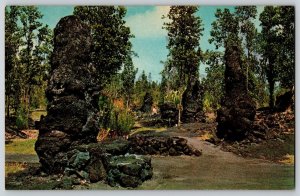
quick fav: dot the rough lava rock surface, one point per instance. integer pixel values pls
(192, 102)
(147, 103)
(236, 115)
(169, 113)
(72, 94)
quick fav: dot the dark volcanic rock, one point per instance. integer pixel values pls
(72, 94)
(284, 101)
(169, 113)
(128, 170)
(235, 117)
(192, 103)
(160, 145)
(147, 103)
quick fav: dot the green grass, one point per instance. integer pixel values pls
(36, 115)
(142, 129)
(21, 146)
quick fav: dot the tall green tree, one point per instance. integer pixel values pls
(35, 51)
(110, 37)
(286, 32)
(12, 44)
(277, 44)
(214, 81)
(246, 16)
(184, 32)
(28, 46)
(128, 77)
(224, 29)
(270, 46)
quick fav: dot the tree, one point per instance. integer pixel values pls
(214, 81)
(287, 52)
(277, 44)
(12, 44)
(28, 47)
(270, 45)
(224, 29)
(246, 15)
(35, 51)
(128, 77)
(110, 37)
(184, 31)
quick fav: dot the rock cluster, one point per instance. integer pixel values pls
(161, 145)
(128, 170)
(192, 103)
(237, 112)
(268, 125)
(72, 96)
(108, 161)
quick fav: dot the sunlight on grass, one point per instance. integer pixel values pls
(36, 115)
(141, 129)
(14, 167)
(205, 136)
(288, 159)
(21, 146)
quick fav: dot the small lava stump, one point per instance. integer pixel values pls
(236, 115)
(72, 94)
(147, 103)
(192, 103)
(169, 113)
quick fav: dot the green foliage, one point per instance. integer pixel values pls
(115, 118)
(28, 48)
(277, 46)
(110, 37)
(214, 81)
(128, 77)
(184, 31)
(22, 119)
(224, 29)
(121, 121)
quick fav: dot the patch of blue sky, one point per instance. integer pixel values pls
(150, 39)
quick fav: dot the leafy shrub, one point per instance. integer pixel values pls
(121, 121)
(114, 118)
(21, 120)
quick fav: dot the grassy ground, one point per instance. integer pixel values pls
(21, 146)
(36, 115)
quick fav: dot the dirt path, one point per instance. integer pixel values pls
(217, 169)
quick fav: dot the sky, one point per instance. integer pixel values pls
(150, 39)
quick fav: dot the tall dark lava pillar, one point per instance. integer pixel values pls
(235, 117)
(72, 94)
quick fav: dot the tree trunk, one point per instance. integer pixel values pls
(271, 91)
(7, 107)
(247, 77)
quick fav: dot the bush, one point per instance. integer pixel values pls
(121, 121)
(115, 118)
(21, 120)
